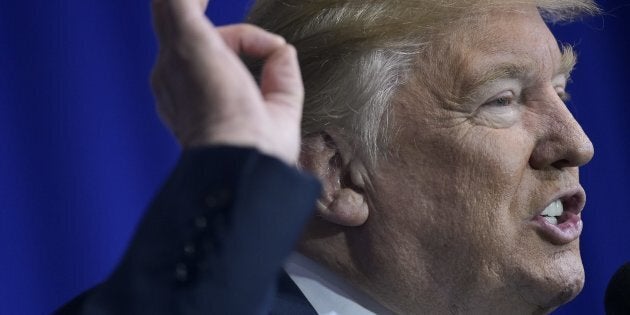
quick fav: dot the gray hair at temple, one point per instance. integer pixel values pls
(356, 54)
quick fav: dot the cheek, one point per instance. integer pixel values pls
(503, 152)
(471, 167)
(444, 198)
(456, 182)
(490, 177)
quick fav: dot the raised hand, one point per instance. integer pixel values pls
(206, 95)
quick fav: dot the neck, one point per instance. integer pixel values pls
(327, 292)
(384, 283)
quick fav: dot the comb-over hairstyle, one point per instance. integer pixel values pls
(356, 54)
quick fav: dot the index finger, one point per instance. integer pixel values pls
(250, 40)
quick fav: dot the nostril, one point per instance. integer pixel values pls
(560, 164)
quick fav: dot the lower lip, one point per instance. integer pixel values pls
(563, 233)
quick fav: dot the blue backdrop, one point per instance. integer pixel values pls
(82, 151)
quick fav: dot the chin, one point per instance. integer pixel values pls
(558, 283)
(562, 293)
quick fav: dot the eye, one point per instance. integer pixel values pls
(502, 100)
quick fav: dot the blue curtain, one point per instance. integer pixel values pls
(82, 151)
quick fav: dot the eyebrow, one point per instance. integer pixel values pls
(568, 60)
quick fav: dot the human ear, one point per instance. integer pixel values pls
(333, 161)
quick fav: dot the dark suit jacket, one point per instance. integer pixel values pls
(213, 241)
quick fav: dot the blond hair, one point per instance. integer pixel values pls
(356, 54)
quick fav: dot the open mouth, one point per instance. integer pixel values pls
(553, 212)
(560, 222)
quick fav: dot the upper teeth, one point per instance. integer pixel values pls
(553, 210)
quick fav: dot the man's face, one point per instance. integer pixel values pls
(484, 144)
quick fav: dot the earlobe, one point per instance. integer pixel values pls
(348, 208)
(342, 201)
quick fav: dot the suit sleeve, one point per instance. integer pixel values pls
(212, 241)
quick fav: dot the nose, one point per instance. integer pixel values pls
(562, 141)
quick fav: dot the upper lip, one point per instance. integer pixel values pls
(573, 200)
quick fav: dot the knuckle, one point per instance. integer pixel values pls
(248, 28)
(242, 29)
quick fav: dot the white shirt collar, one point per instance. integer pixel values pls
(328, 293)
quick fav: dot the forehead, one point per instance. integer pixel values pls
(519, 36)
(514, 43)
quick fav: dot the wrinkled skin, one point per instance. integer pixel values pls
(450, 210)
